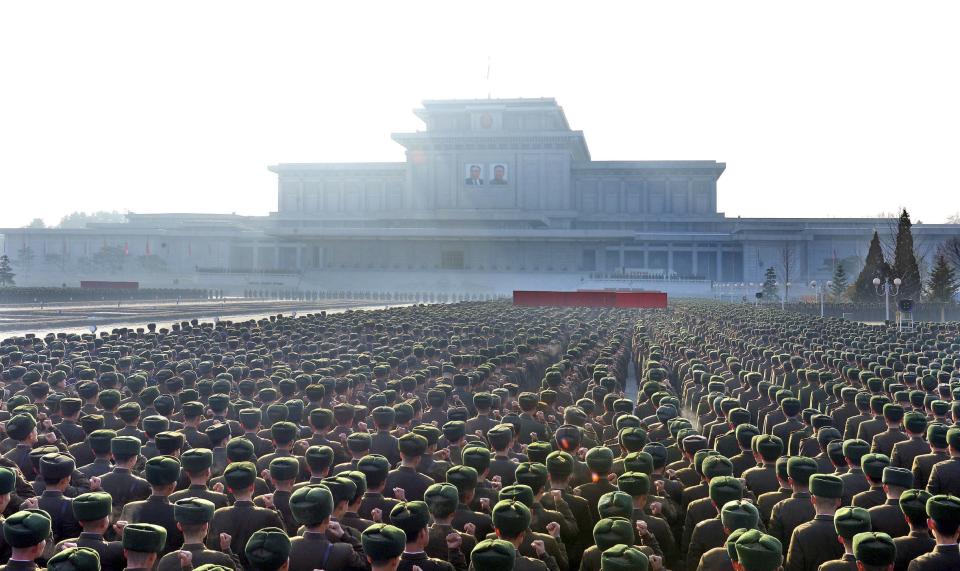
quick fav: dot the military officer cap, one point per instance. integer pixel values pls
(91, 422)
(940, 407)
(532, 474)
(428, 431)
(716, 466)
(382, 542)
(99, 440)
(129, 412)
(622, 557)
(267, 549)
(611, 531)
(125, 447)
(311, 504)
(915, 422)
(412, 445)
(411, 517)
(538, 451)
(92, 506)
(600, 459)
(953, 438)
(169, 442)
(193, 510)
(26, 528)
(384, 415)
(144, 537)
(442, 499)
(511, 517)
(162, 470)
(70, 406)
(897, 477)
(240, 475)
(359, 441)
(20, 426)
(739, 514)
(723, 489)
(826, 486)
(855, 449)
(731, 543)
(615, 504)
(874, 548)
(240, 450)
(559, 464)
(250, 416)
(454, 430)
(154, 424)
(849, 521)
(892, 412)
(913, 504)
(284, 468)
(493, 555)
(342, 488)
(519, 492)
(282, 431)
(634, 483)
(8, 480)
(758, 551)
(196, 460)
(944, 510)
(218, 431)
(800, 468)
(745, 434)
(477, 457)
(463, 477)
(937, 435)
(192, 409)
(56, 466)
(375, 467)
(75, 559)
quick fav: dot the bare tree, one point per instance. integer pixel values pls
(788, 267)
(954, 218)
(951, 249)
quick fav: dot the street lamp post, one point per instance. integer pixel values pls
(786, 293)
(821, 287)
(886, 288)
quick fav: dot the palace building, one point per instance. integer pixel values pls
(494, 195)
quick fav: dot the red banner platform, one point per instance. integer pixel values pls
(597, 298)
(109, 285)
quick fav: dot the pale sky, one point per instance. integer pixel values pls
(818, 108)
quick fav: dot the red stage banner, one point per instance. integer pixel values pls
(597, 298)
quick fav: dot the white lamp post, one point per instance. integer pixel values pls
(885, 288)
(821, 288)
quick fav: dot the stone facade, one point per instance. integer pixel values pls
(491, 190)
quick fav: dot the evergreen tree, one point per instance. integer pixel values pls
(943, 285)
(904, 260)
(838, 290)
(6, 272)
(874, 267)
(770, 285)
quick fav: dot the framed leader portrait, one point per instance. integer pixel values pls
(474, 174)
(498, 174)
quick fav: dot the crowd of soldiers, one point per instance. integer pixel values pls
(484, 437)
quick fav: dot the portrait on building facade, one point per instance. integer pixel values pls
(474, 173)
(498, 174)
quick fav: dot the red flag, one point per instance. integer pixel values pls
(148, 246)
(126, 249)
(189, 250)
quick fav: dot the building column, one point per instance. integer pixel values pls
(669, 259)
(256, 257)
(693, 255)
(622, 262)
(719, 263)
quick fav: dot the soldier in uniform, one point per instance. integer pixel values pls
(196, 464)
(762, 478)
(99, 443)
(142, 545)
(874, 550)
(797, 509)
(283, 474)
(193, 517)
(848, 522)
(92, 510)
(944, 523)
(624, 558)
(873, 466)
(884, 442)
(814, 542)
(323, 544)
(758, 551)
(413, 518)
(887, 517)
(496, 555)
(268, 550)
(75, 559)
(904, 453)
(924, 463)
(22, 429)
(913, 503)
(241, 519)
(382, 442)
(465, 480)
(945, 476)
(27, 533)
(161, 473)
(68, 427)
(120, 483)
(600, 462)
(560, 467)
(405, 476)
(442, 501)
(854, 480)
(375, 468)
(512, 521)
(55, 471)
(383, 545)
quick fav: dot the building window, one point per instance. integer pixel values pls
(589, 261)
(451, 260)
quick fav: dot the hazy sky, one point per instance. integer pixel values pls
(818, 108)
